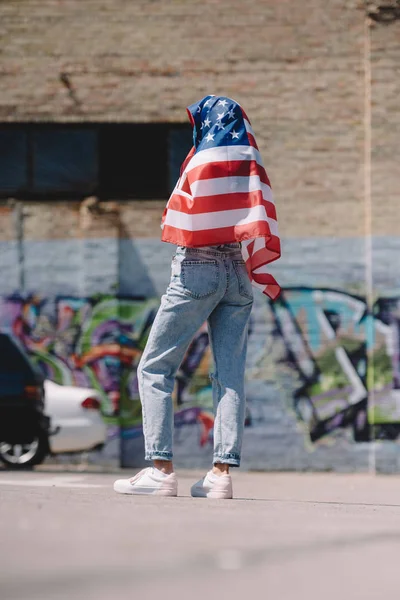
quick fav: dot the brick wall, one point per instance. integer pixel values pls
(385, 66)
(298, 71)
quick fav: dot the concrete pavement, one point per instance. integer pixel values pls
(285, 536)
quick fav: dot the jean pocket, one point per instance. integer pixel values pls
(245, 287)
(199, 277)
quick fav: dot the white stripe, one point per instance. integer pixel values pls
(259, 244)
(222, 154)
(245, 252)
(249, 128)
(215, 220)
(246, 243)
(178, 192)
(230, 185)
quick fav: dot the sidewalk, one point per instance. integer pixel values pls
(66, 534)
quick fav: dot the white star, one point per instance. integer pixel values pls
(220, 115)
(210, 137)
(222, 103)
(219, 125)
(231, 114)
(207, 101)
(207, 122)
(234, 135)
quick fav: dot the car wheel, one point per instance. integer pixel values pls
(22, 456)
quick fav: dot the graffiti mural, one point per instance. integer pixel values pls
(342, 362)
(346, 360)
(97, 342)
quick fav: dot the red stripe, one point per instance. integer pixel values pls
(266, 255)
(212, 237)
(244, 115)
(185, 186)
(231, 168)
(252, 140)
(272, 288)
(264, 279)
(209, 204)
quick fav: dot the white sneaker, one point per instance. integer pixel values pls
(148, 481)
(213, 486)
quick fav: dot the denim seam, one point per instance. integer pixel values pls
(233, 461)
(242, 290)
(156, 454)
(227, 277)
(218, 253)
(228, 456)
(140, 376)
(199, 262)
(217, 410)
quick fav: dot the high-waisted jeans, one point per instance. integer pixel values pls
(207, 284)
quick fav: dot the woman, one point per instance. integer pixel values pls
(222, 218)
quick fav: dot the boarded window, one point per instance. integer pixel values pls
(64, 161)
(110, 160)
(13, 160)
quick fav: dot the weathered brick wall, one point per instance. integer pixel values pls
(299, 73)
(297, 69)
(385, 70)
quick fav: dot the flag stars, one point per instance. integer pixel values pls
(231, 114)
(222, 103)
(219, 125)
(207, 122)
(206, 103)
(234, 134)
(209, 137)
(220, 115)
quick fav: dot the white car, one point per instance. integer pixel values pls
(76, 419)
(76, 426)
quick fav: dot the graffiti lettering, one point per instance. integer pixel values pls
(342, 353)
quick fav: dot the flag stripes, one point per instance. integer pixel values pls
(224, 194)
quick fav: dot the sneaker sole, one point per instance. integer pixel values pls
(147, 492)
(214, 495)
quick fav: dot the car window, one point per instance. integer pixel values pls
(12, 358)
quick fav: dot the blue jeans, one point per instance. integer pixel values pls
(210, 284)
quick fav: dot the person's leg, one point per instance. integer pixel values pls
(197, 284)
(228, 326)
(194, 291)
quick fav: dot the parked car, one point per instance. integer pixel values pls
(24, 426)
(75, 418)
(39, 417)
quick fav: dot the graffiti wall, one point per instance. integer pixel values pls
(323, 373)
(97, 342)
(346, 361)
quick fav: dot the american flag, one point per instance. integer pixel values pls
(223, 194)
